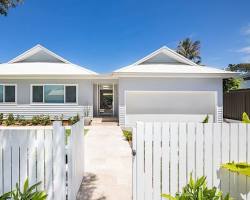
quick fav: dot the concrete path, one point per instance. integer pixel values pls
(108, 165)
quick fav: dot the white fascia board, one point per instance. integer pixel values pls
(178, 75)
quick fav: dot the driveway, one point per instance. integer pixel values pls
(108, 165)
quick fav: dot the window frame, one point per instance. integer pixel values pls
(64, 96)
(9, 103)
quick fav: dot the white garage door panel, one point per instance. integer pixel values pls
(169, 106)
(170, 103)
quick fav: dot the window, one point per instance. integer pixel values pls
(7, 93)
(70, 94)
(54, 94)
(37, 94)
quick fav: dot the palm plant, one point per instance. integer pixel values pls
(190, 50)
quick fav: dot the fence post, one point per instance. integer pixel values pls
(59, 169)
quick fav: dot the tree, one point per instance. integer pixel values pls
(231, 84)
(242, 67)
(234, 83)
(6, 4)
(190, 50)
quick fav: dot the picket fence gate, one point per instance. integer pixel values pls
(39, 154)
(166, 154)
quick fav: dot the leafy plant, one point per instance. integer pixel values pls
(5, 196)
(1, 118)
(21, 121)
(241, 168)
(206, 119)
(73, 120)
(10, 120)
(197, 190)
(245, 118)
(28, 193)
(127, 134)
(231, 84)
(41, 120)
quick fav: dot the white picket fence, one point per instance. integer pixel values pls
(166, 154)
(38, 153)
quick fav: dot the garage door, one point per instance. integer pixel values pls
(169, 106)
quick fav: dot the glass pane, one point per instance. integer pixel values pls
(1, 93)
(70, 94)
(37, 94)
(54, 94)
(10, 94)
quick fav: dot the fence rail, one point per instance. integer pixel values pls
(235, 103)
(166, 154)
(38, 153)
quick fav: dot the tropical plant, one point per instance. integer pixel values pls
(10, 120)
(245, 118)
(206, 119)
(198, 190)
(28, 193)
(5, 5)
(190, 50)
(5, 196)
(127, 134)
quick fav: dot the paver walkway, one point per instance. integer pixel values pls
(108, 165)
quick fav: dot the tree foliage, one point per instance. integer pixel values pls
(231, 84)
(5, 5)
(190, 49)
(242, 67)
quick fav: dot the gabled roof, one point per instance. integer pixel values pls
(35, 52)
(39, 61)
(166, 62)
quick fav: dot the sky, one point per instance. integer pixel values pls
(104, 35)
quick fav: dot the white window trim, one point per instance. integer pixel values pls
(9, 103)
(39, 103)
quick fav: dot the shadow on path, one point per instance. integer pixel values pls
(88, 187)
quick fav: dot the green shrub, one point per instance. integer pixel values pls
(245, 118)
(21, 121)
(198, 190)
(27, 193)
(1, 118)
(73, 120)
(41, 120)
(10, 120)
(127, 134)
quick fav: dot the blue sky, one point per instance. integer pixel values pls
(105, 35)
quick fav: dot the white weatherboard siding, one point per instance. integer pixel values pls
(85, 89)
(210, 92)
(25, 108)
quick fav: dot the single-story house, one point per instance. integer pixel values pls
(161, 86)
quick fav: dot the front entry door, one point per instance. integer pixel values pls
(106, 100)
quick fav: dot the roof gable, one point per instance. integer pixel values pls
(39, 54)
(164, 55)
